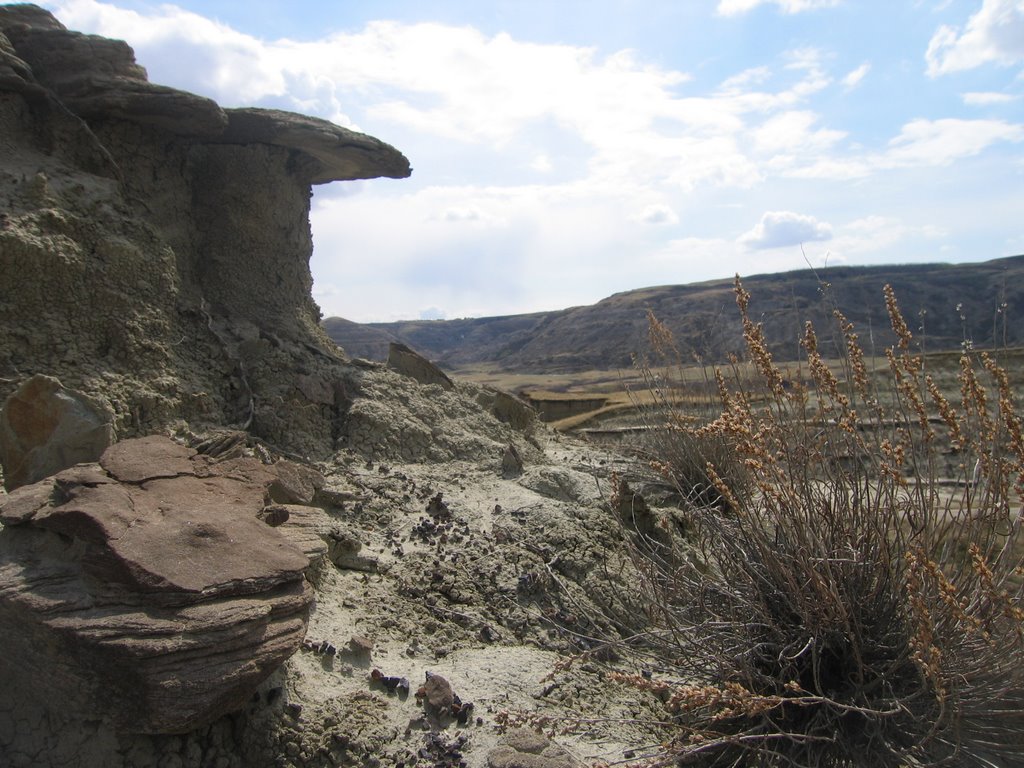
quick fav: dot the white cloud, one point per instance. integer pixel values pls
(234, 67)
(470, 213)
(808, 57)
(993, 34)
(565, 153)
(541, 163)
(658, 213)
(779, 229)
(735, 7)
(461, 214)
(746, 78)
(940, 142)
(867, 236)
(627, 116)
(794, 132)
(920, 144)
(561, 245)
(853, 78)
(987, 98)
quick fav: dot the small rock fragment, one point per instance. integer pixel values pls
(437, 695)
(511, 462)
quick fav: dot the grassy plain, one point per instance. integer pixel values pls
(623, 398)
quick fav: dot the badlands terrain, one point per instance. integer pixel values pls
(227, 541)
(224, 541)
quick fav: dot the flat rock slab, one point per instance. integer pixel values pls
(524, 748)
(163, 519)
(145, 589)
(334, 153)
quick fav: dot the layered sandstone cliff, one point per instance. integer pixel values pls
(154, 247)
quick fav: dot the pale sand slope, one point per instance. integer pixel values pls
(483, 604)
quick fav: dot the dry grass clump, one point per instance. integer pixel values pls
(847, 605)
(701, 464)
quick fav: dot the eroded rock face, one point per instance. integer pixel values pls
(330, 152)
(145, 591)
(410, 363)
(161, 244)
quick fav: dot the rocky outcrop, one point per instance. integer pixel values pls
(410, 363)
(111, 85)
(158, 265)
(45, 428)
(160, 244)
(145, 591)
(328, 152)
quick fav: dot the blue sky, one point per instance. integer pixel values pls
(567, 150)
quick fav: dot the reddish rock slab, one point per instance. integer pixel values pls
(147, 458)
(145, 590)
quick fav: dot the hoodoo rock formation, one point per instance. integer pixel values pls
(154, 258)
(175, 235)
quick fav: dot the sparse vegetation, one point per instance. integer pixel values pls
(857, 598)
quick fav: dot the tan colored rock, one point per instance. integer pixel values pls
(525, 748)
(438, 697)
(511, 462)
(45, 428)
(295, 483)
(308, 528)
(508, 408)
(156, 257)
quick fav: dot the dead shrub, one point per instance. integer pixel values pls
(846, 605)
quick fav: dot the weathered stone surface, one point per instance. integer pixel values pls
(98, 78)
(524, 748)
(22, 506)
(45, 428)
(145, 591)
(28, 15)
(508, 408)
(295, 483)
(15, 74)
(162, 254)
(437, 694)
(412, 364)
(511, 462)
(330, 152)
(309, 528)
(559, 483)
(147, 458)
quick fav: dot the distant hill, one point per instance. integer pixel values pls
(704, 318)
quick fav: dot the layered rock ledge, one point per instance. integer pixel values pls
(145, 589)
